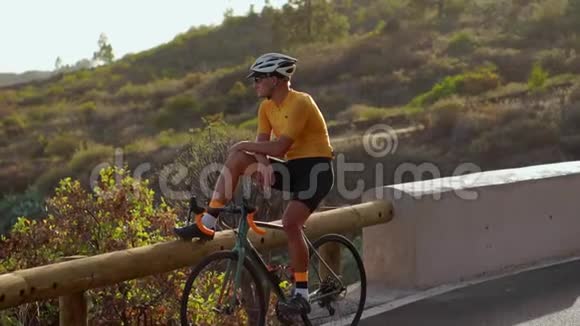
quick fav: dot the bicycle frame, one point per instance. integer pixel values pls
(244, 248)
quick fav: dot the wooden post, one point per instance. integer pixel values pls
(73, 307)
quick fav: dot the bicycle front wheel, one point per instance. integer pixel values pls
(336, 281)
(210, 296)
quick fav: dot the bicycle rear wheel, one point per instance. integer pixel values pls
(337, 282)
(210, 297)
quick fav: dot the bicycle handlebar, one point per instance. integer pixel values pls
(199, 211)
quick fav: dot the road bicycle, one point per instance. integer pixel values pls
(233, 287)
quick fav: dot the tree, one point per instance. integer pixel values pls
(82, 64)
(229, 13)
(105, 52)
(58, 64)
(309, 20)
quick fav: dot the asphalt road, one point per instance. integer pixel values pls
(543, 297)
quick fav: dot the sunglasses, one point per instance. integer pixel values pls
(259, 79)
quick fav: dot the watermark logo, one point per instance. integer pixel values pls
(380, 140)
(352, 178)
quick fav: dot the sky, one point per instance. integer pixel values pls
(33, 33)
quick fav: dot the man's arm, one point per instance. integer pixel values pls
(266, 176)
(261, 158)
(274, 148)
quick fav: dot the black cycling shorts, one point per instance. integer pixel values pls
(308, 180)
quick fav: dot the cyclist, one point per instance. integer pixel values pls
(298, 160)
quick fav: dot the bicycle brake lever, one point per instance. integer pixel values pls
(249, 209)
(194, 208)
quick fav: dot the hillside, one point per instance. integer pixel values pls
(489, 81)
(8, 79)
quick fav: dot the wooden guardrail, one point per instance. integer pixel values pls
(69, 279)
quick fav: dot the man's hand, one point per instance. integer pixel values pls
(265, 172)
(274, 148)
(265, 175)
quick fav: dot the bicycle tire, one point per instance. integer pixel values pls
(348, 245)
(217, 256)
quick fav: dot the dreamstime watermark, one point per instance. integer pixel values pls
(379, 141)
(462, 180)
(425, 179)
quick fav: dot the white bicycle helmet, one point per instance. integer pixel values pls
(273, 63)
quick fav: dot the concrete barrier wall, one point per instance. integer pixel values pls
(453, 229)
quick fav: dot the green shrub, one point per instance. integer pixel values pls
(79, 82)
(56, 90)
(443, 116)
(548, 11)
(142, 145)
(90, 155)
(574, 95)
(513, 64)
(332, 102)
(238, 90)
(462, 43)
(63, 145)
(15, 124)
(179, 111)
(169, 138)
(479, 81)
(209, 146)
(46, 182)
(193, 79)
(454, 8)
(8, 97)
(370, 113)
(30, 95)
(96, 95)
(553, 60)
(364, 112)
(570, 119)
(538, 78)
(166, 87)
(42, 114)
(522, 134)
(510, 89)
(130, 91)
(87, 110)
(469, 83)
(570, 124)
(159, 89)
(120, 213)
(443, 89)
(547, 19)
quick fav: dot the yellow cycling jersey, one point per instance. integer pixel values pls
(299, 118)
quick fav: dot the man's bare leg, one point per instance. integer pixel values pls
(294, 217)
(237, 164)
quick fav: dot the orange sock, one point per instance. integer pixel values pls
(214, 203)
(301, 277)
(301, 284)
